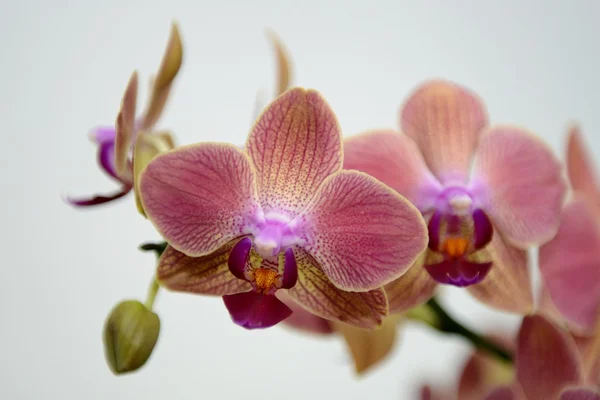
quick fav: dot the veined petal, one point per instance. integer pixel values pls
(412, 289)
(199, 197)
(125, 127)
(395, 160)
(362, 233)
(203, 275)
(580, 393)
(253, 310)
(369, 347)
(547, 359)
(147, 146)
(302, 319)
(508, 284)
(580, 168)
(518, 180)
(570, 265)
(481, 374)
(163, 81)
(295, 144)
(446, 121)
(315, 292)
(283, 63)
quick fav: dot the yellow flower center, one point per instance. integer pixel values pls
(455, 247)
(265, 279)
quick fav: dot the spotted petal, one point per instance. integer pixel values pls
(315, 292)
(547, 359)
(518, 180)
(294, 146)
(507, 285)
(125, 127)
(580, 168)
(163, 81)
(199, 197)
(570, 265)
(412, 289)
(446, 122)
(202, 275)
(395, 160)
(302, 319)
(362, 233)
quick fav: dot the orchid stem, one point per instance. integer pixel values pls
(439, 319)
(152, 292)
(154, 286)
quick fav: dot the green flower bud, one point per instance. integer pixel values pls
(130, 333)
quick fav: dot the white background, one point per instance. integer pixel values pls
(63, 68)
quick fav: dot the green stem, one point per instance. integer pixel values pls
(152, 292)
(434, 315)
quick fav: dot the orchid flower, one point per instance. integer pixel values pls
(548, 366)
(119, 146)
(488, 194)
(281, 215)
(570, 263)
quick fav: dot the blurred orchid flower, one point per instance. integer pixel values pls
(488, 193)
(124, 150)
(570, 263)
(548, 366)
(480, 374)
(368, 348)
(281, 215)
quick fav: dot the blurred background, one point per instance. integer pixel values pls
(64, 67)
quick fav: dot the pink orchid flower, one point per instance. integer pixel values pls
(488, 192)
(548, 366)
(281, 215)
(117, 144)
(570, 263)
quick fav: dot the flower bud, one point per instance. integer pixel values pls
(130, 333)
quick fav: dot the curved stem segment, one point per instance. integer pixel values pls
(152, 292)
(434, 315)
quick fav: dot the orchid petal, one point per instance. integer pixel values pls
(361, 232)
(395, 160)
(161, 87)
(199, 197)
(203, 275)
(98, 199)
(125, 127)
(446, 121)
(504, 393)
(238, 257)
(570, 265)
(290, 270)
(106, 158)
(580, 169)
(294, 146)
(315, 292)
(102, 134)
(412, 289)
(283, 63)
(459, 272)
(253, 310)
(147, 146)
(482, 373)
(369, 347)
(579, 394)
(302, 319)
(483, 229)
(518, 180)
(547, 359)
(508, 285)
